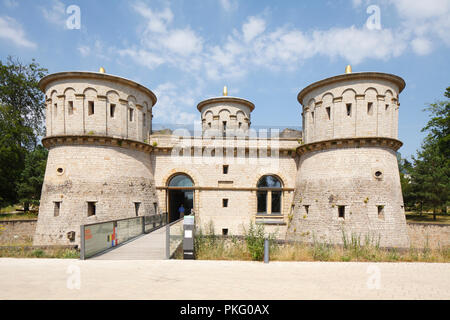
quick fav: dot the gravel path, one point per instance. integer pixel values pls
(178, 279)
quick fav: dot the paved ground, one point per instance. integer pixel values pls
(178, 279)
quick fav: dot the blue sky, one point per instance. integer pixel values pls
(264, 51)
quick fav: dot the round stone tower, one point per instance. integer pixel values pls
(348, 180)
(225, 115)
(98, 166)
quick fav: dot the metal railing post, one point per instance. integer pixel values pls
(168, 242)
(266, 250)
(82, 252)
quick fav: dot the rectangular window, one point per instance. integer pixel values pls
(341, 211)
(276, 202)
(380, 212)
(91, 208)
(224, 232)
(225, 169)
(225, 203)
(144, 118)
(369, 108)
(349, 109)
(131, 115)
(136, 208)
(328, 112)
(70, 111)
(155, 206)
(57, 207)
(262, 201)
(91, 110)
(112, 110)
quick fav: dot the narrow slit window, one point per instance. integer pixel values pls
(341, 211)
(112, 110)
(225, 203)
(137, 205)
(92, 206)
(57, 208)
(144, 119)
(387, 107)
(349, 109)
(239, 125)
(370, 108)
(306, 209)
(380, 212)
(70, 110)
(209, 124)
(131, 115)
(312, 115)
(56, 109)
(328, 112)
(225, 169)
(91, 109)
(224, 128)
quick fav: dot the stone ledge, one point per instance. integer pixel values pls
(393, 144)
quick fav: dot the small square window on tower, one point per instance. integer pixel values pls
(225, 203)
(91, 109)
(224, 232)
(91, 208)
(137, 205)
(380, 212)
(57, 208)
(341, 211)
(225, 169)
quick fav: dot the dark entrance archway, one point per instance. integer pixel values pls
(180, 192)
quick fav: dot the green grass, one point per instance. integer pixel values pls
(18, 216)
(30, 252)
(427, 218)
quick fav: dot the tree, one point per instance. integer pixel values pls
(30, 184)
(21, 121)
(405, 169)
(430, 176)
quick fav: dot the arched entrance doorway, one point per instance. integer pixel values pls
(180, 192)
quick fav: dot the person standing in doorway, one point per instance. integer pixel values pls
(181, 211)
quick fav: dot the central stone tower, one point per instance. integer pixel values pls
(348, 180)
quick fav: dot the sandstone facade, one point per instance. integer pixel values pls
(104, 157)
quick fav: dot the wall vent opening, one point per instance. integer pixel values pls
(341, 211)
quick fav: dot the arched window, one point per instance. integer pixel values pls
(269, 195)
(181, 180)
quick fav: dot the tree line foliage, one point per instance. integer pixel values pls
(22, 114)
(426, 180)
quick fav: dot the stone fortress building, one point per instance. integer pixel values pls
(338, 177)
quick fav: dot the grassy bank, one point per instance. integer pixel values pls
(32, 252)
(18, 216)
(427, 218)
(251, 247)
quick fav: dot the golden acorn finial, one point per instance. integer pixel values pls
(225, 91)
(348, 69)
(101, 70)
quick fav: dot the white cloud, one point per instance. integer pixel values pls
(421, 46)
(11, 30)
(228, 5)
(84, 50)
(182, 41)
(254, 27)
(10, 3)
(55, 13)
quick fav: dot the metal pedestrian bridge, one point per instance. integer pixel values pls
(137, 238)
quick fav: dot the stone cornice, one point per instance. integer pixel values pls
(225, 99)
(350, 77)
(393, 144)
(45, 81)
(53, 141)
